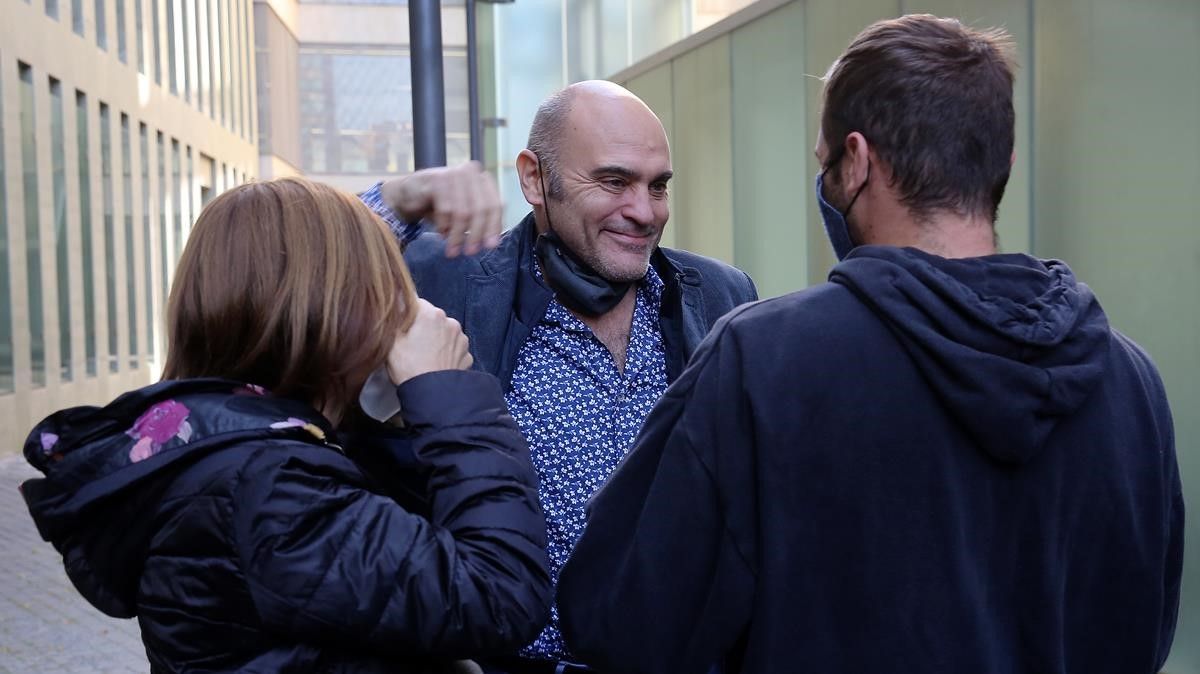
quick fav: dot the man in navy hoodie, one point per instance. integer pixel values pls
(942, 460)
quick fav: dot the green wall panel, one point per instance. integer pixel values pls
(1117, 165)
(770, 196)
(703, 151)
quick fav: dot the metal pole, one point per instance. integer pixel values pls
(473, 86)
(428, 88)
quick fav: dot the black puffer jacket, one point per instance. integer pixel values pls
(230, 523)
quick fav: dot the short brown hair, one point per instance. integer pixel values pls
(291, 285)
(934, 98)
(546, 137)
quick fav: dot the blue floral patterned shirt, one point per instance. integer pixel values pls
(579, 413)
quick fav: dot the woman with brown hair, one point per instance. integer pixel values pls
(218, 507)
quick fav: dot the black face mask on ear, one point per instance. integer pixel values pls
(576, 284)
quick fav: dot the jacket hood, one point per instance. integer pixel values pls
(106, 469)
(1009, 343)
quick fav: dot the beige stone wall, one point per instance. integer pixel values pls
(213, 117)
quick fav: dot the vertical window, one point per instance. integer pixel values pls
(140, 35)
(172, 47)
(101, 26)
(247, 54)
(201, 24)
(121, 51)
(6, 341)
(164, 213)
(239, 72)
(58, 162)
(110, 235)
(131, 295)
(185, 45)
(147, 250)
(177, 183)
(77, 17)
(156, 40)
(193, 204)
(85, 231)
(52, 9)
(214, 73)
(226, 62)
(33, 230)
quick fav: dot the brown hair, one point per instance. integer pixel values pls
(934, 98)
(290, 285)
(546, 137)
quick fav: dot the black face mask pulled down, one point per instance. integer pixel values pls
(575, 283)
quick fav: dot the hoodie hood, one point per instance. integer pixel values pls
(106, 470)
(1011, 344)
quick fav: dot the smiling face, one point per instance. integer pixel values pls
(613, 167)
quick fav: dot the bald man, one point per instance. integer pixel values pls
(578, 311)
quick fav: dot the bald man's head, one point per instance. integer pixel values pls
(557, 114)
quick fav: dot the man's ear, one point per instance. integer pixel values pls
(855, 168)
(529, 173)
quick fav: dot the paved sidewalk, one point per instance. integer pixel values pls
(45, 626)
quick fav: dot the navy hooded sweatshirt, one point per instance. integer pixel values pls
(231, 524)
(924, 465)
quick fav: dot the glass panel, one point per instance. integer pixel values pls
(140, 35)
(121, 31)
(356, 111)
(597, 39)
(223, 34)
(192, 202)
(6, 332)
(52, 8)
(214, 72)
(458, 120)
(239, 74)
(58, 163)
(33, 230)
(177, 185)
(77, 16)
(147, 249)
(130, 277)
(246, 54)
(85, 231)
(101, 25)
(156, 40)
(164, 211)
(110, 235)
(654, 24)
(186, 45)
(201, 23)
(172, 47)
(529, 38)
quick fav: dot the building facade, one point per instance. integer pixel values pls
(335, 89)
(119, 119)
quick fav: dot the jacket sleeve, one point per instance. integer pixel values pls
(328, 561)
(405, 231)
(662, 579)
